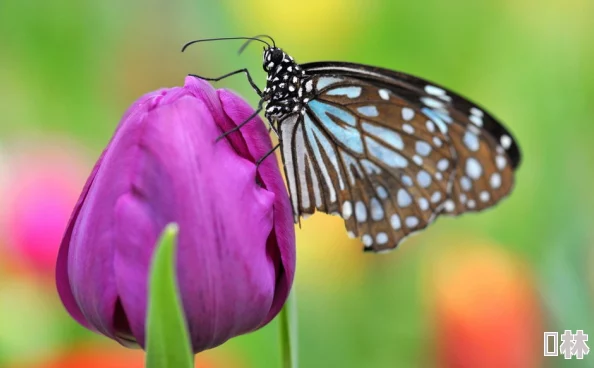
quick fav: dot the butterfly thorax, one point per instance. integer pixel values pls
(284, 84)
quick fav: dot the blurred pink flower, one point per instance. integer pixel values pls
(236, 253)
(40, 189)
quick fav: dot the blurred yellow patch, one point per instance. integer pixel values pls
(325, 255)
(310, 24)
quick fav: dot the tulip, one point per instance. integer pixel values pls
(236, 245)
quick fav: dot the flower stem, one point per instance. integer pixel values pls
(288, 332)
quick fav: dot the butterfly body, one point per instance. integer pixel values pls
(386, 151)
(284, 92)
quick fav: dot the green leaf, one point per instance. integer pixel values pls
(168, 341)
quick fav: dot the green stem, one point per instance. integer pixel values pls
(288, 332)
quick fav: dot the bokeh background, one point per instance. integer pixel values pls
(476, 291)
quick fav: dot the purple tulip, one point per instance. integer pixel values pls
(236, 245)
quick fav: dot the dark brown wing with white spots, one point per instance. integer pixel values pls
(389, 152)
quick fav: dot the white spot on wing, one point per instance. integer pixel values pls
(424, 179)
(473, 168)
(403, 198)
(381, 238)
(384, 94)
(442, 165)
(377, 211)
(367, 240)
(411, 221)
(360, 212)
(506, 141)
(495, 180)
(432, 103)
(449, 205)
(476, 112)
(406, 180)
(465, 183)
(423, 148)
(435, 197)
(478, 121)
(381, 192)
(484, 196)
(347, 210)
(471, 141)
(500, 162)
(407, 128)
(436, 91)
(423, 204)
(408, 113)
(395, 222)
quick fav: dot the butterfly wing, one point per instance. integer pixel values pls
(389, 152)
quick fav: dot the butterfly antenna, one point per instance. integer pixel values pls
(224, 39)
(258, 38)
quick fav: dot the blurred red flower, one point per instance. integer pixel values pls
(103, 356)
(485, 309)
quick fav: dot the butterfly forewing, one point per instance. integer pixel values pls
(483, 174)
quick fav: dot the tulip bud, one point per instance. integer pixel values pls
(236, 245)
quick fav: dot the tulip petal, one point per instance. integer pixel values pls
(63, 282)
(258, 141)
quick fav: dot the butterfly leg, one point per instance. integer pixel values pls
(244, 70)
(261, 159)
(242, 124)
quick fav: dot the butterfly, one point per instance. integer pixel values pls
(386, 151)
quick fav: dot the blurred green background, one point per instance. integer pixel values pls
(476, 291)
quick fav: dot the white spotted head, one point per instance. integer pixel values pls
(273, 57)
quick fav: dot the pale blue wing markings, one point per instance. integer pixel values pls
(368, 110)
(322, 110)
(387, 135)
(313, 144)
(381, 122)
(348, 136)
(384, 154)
(350, 92)
(324, 82)
(327, 146)
(436, 118)
(370, 167)
(349, 162)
